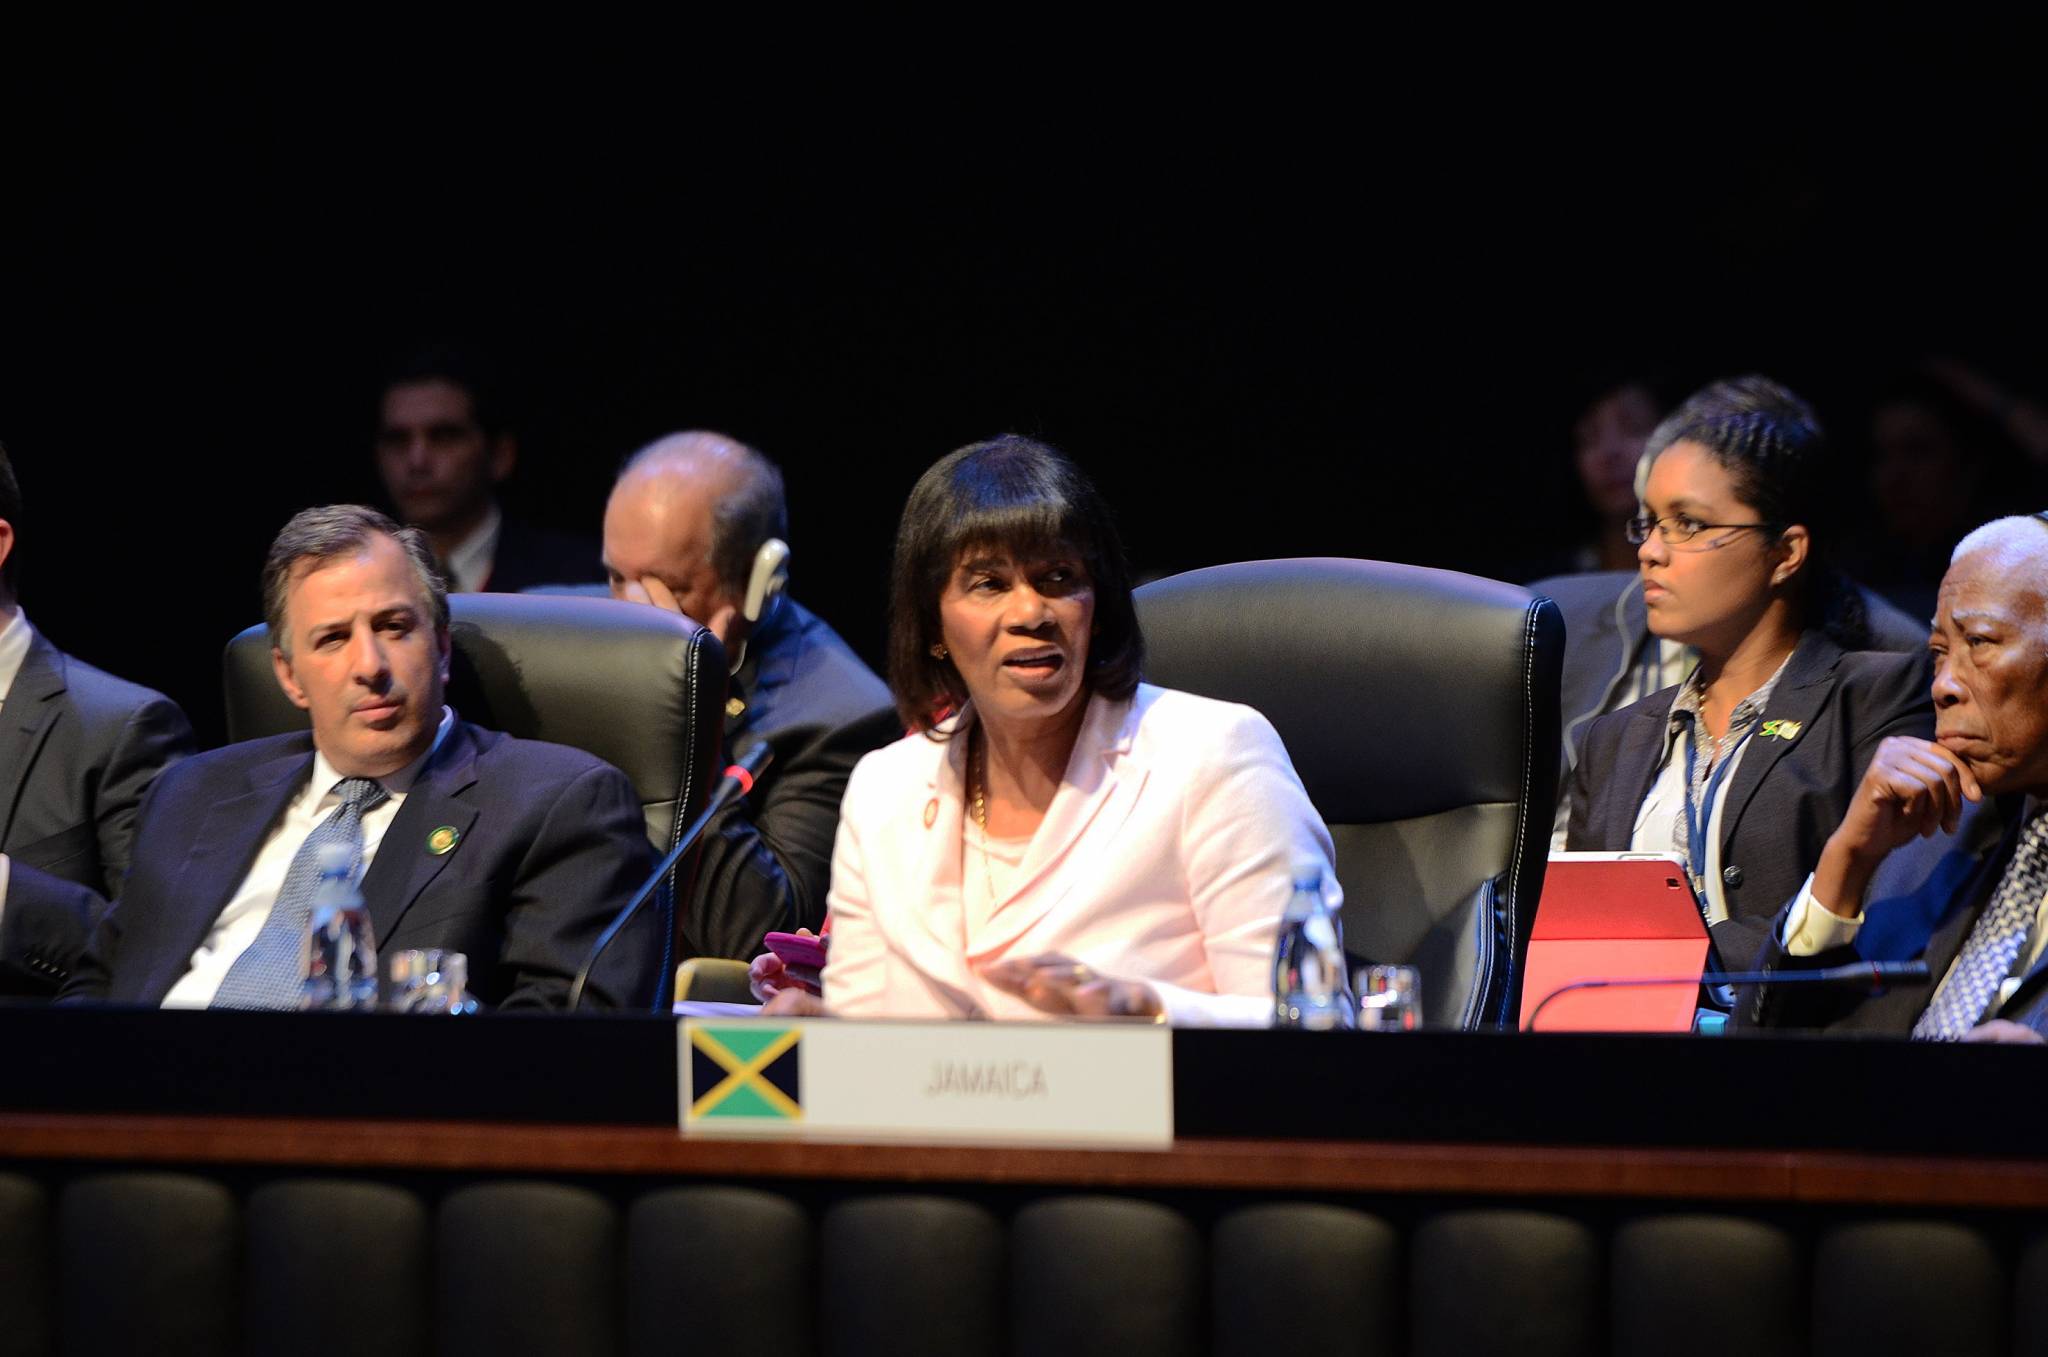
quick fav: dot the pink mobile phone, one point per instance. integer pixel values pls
(797, 950)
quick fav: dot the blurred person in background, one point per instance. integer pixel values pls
(444, 446)
(1937, 468)
(1608, 440)
(1612, 422)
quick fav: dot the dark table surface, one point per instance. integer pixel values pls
(1427, 1087)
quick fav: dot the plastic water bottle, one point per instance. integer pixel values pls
(341, 948)
(1311, 981)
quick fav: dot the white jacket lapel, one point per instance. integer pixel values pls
(932, 936)
(1097, 792)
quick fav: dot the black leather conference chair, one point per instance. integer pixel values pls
(640, 688)
(1420, 708)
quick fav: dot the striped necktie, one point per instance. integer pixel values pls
(268, 974)
(1994, 943)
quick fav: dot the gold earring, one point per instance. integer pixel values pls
(939, 651)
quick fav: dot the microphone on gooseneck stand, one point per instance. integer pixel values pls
(1876, 974)
(737, 782)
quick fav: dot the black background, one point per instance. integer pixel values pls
(1284, 288)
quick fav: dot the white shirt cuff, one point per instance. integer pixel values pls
(1812, 928)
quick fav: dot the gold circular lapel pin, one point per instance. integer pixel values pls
(443, 839)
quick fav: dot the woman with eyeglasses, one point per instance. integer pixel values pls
(1745, 767)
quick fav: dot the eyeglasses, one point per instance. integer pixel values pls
(1680, 528)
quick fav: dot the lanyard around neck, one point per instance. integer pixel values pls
(1696, 817)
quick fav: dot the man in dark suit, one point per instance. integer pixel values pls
(443, 448)
(513, 852)
(1943, 852)
(695, 525)
(78, 749)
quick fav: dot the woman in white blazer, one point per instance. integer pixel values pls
(1053, 836)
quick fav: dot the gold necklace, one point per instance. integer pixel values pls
(977, 783)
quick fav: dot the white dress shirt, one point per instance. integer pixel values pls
(14, 639)
(1660, 825)
(249, 907)
(469, 564)
(1660, 820)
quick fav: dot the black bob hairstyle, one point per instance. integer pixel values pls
(1013, 495)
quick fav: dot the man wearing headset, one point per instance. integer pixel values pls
(696, 524)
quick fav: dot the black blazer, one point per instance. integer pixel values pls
(78, 751)
(530, 556)
(1923, 903)
(1605, 626)
(550, 844)
(1786, 797)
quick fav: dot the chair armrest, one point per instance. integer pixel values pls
(714, 980)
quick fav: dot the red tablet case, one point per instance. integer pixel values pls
(1608, 917)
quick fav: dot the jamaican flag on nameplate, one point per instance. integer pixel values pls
(744, 1072)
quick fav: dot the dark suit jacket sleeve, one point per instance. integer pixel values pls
(767, 861)
(93, 973)
(1796, 1006)
(588, 855)
(43, 930)
(1889, 698)
(154, 736)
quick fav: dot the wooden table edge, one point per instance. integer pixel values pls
(1313, 1168)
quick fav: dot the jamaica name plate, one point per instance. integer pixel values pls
(1065, 1084)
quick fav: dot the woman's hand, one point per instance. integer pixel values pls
(1073, 989)
(769, 975)
(794, 1003)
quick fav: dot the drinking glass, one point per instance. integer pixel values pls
(427, 980)
(1389, 999)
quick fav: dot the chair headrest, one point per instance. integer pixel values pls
(619, 680)
(1399, 690)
